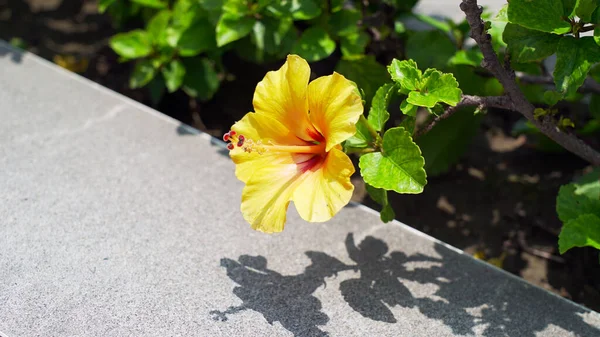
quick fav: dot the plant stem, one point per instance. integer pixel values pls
(467, 100)
(520, 103)
(372, 131)
(361, 151)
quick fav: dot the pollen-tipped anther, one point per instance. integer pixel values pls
(240, 142)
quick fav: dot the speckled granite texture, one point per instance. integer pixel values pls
(117, 221)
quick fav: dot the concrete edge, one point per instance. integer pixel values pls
(220, 143)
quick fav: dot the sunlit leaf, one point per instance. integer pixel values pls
(378, 114)
(133, 44)
(399, 167)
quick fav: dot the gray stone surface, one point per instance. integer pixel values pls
(450, 8)
(117, 221)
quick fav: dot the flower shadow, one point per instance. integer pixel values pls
(464, 295)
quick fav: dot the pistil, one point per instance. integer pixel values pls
(248, 145)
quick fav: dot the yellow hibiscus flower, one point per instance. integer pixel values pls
(289, 148)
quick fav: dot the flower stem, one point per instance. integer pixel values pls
(361, 151)
(372, 131)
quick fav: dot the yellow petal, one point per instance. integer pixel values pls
(282, 96)
(324, 191)
(265, 129)
(267, 194)
(335, 107)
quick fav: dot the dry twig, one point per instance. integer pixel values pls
(518, 100)
(468, 100)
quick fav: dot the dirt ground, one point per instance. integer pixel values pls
(498, 203)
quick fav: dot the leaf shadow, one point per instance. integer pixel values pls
(470, 297)
(287, 299)
(15, 55)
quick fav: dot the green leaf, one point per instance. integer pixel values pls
(164, 55)
(173, 73)
(200, 80)
(380, 196)
(595, 72)
(572, 201)
(526, 45)
(569, 7)
(408, 109)
(156, 89)
(133, 44)
(212, 5)
(402, 5)
(590, 128)
(344, 22)
(436, 87)
(367, 73)
(275, 35)
(430, 49)
(589, 185)
(234, 7)
(497, 29)
(445, 143)
(198, 38)
(595, 16)
(143, 72)
(472, 57)
(585, 8)
(258, 35)
(299, 9)
(314, 44)
(18, 42)
(160, 4)
(305, 9)
(574, 58)
(433, 22)
(157, 27)
(406, 74)
(436, 110)
(378, 114)
(387, 214)
(104, 4)
(544, 15)
(271, 39)
(533, 92)
(361, 139)
(408, 123)
(187, 12)
(399, 167)
(232, 27)
(336, 5)
(552, 97)
(580, 232)
(354, 44)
